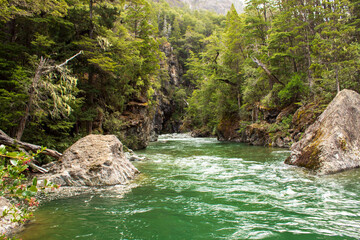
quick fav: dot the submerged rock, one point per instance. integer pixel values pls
(95, 160)
(331, 144)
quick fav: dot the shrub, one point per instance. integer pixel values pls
(15, 186)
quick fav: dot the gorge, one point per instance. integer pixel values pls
(261, 74)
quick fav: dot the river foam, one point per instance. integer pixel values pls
(193, 188)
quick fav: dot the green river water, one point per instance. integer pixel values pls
(192, 188)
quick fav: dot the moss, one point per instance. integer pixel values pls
(95, 168)
(343, 144)
(310, 157)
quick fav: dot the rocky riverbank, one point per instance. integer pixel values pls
(94, 163)
(276, 128)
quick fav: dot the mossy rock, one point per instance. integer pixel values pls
(331, 144)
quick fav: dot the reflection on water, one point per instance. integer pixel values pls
(193, 188)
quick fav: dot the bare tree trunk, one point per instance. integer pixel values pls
(91, 30)
(337, 79)
(272, 78)
(23, 120)
(90, 100)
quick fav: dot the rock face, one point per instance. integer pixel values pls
(220, 7)
(275, 128)
(165, 108)
(257, 134)
(135, 133)
(331, 144)
(95, 160)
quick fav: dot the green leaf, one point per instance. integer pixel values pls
(2, 149)
(35, 181)
(19, 191)
(26, 193)
(14, 162)
(33, 188)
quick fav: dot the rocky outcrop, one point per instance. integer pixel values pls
(261, 133)
(229, 129)
(275, 128)
(332, 143)
(135, 132)
(220, 7)
(201, 133)
(171, 79)
(171, 64)
(95, 160)
(304, 117)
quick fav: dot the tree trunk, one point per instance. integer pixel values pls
(239, 102)
(12, 30)
(23, 120)
(292, 58)
(255, 113)
(91, 30)
(90, 99)
(337, 79)
(8, 141)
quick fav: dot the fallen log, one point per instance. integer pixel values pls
(6, 140)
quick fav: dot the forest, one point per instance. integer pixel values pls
(69, 68)
(138, 68)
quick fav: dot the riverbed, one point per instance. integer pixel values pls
(199, 188)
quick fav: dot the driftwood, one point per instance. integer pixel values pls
(6, 140)
(273, 79)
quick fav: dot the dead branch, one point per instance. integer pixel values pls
(272, 78)
(67, 60)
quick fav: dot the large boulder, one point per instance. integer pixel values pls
(95, 160)
(331, 144)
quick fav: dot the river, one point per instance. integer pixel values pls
(199, 188)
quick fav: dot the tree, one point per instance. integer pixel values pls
(334, 44)
(58, 85)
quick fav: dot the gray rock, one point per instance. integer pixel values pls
(132, 157)
(331, 144)
(95, 160)
(221, 7)
(8, 227)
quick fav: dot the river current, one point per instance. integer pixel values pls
(199, 188)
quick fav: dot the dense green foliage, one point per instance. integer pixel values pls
(309, 49)
(274, 54)
(121, 44)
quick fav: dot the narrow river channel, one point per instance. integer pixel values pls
(192, 188)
